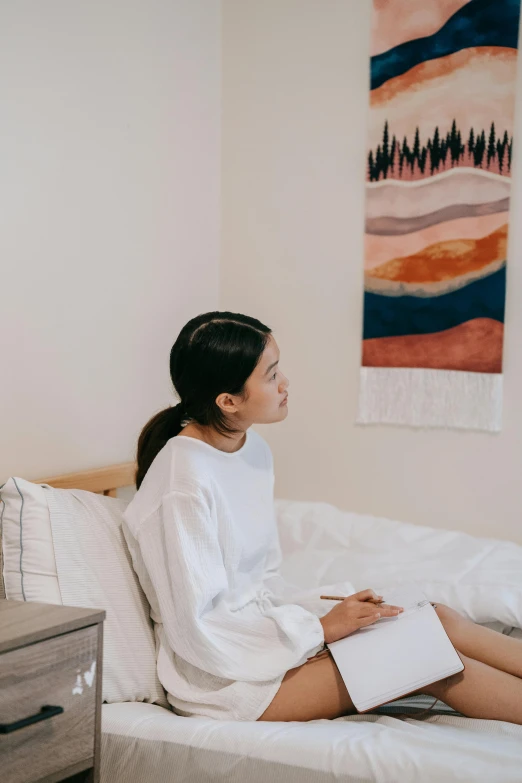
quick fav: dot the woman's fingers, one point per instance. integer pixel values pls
(394, 609)
(390, 611)
(367, 609)
(367, 595)
(372, 618)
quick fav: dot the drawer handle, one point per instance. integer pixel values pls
(46, 712)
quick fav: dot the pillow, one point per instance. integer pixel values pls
(24, 508)
(67, 547)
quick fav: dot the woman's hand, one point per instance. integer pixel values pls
(356, 611)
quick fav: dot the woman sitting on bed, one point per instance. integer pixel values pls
(232, 639)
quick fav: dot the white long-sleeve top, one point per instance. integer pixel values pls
(203, 538)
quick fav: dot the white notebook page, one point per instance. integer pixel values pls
(395, 656)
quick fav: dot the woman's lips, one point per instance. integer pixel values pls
(284, 401)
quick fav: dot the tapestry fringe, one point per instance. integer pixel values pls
(430, 398)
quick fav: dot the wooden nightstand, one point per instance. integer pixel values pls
(50, 692)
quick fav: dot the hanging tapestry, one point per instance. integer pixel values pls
(439, 154)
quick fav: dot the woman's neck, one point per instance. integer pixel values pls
(226, 443)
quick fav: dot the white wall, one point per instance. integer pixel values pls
(295, 93)
(109, 241)
(109, 218)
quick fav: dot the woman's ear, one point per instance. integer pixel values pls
(226, 403)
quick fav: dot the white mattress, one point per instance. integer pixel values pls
(145, 743)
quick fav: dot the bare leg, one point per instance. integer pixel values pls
(489, 687)
(482, 644)
(311, 691)
(481, 691)
(316, 690)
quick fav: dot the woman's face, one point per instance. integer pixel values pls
(266, 391)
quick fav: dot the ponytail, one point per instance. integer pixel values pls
(163, 426)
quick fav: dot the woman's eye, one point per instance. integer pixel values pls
(274, 375)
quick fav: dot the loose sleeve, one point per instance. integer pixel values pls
(237, 635)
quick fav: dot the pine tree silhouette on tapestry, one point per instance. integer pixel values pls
(397, 160)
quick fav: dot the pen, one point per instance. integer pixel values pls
(342, 597)
(382, 601)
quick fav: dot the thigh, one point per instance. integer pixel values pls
(311, 691)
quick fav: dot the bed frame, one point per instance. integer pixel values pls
(103, 481)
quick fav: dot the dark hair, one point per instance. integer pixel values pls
(214, 353)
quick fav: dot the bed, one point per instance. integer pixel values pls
(321, 544)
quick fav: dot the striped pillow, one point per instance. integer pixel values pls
(67, 547)
(29, 567)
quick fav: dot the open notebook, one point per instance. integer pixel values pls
(397, 655)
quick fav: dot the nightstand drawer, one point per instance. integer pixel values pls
(58, 672)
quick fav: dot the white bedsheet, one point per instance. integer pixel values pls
(479, 577)
(482, 578)
(144, 743)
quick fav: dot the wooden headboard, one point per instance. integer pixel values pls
(104, 481)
